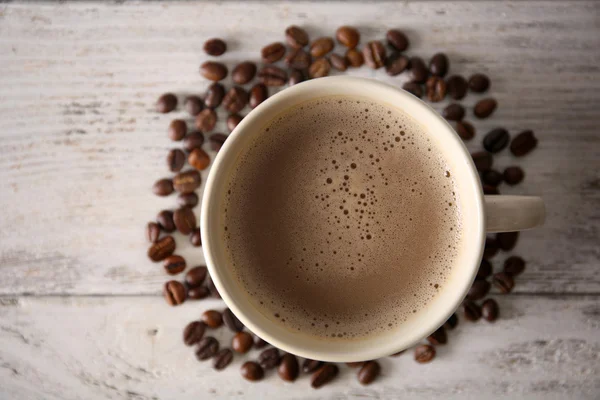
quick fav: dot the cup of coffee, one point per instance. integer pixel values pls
(343, 220)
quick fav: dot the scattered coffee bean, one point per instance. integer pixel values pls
(424, 353)
(273, 52)
(198, 293)
(490, 310)
(174, 293)
(465, 130)
(192, 141)
(196, 238)
(483, 160)
(258, 94)
(324, 375)
(251, 371)
(454, 112)
(185, 220)
(295, 77)
(231, 321)
(234, 119)
(397, 40)
(452, 322)
(163, 187)
(152, 232)
(213, 71)
(484, 108)
(438, 337)
(355, 58)
(215, 47)
(514, 265)
(338, 62)
(195, 276)
(206, 120)
(166, 103)
(413, 88)
(319, 68)
(496, 140)
(479, 83)
(485, 269)
(296, 37)
(177, 129)
(457, 87)
(235, 99)
(507, 240)
(298, 59)
(188, 199)
(214, 95)
(199, 159)
(217, 140)
(479, 290)
(369, 372)
(193, 105)
(269, 358)
(259, 343)
(309, 365)
(165, 221)
(513, 175)
(212, 318)
(213, 289)
(490, 190)
(175, 160)
(272, 76)
(396, 64)
(471, 311)
(436, 90)
(244, 72)
(162, 249)
(193, 332)
(347, 36)
(491, 248)
(418, 71)
(321, 46)
(242, 342)
(503, 282)
(174, 264)
(288, 369)
(523, 143)
(207, 347)
(357, 364)
(187, 182)
(438, 65)
(374, 54)
(491, 177)
(222, 359)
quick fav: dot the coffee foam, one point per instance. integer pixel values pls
(340, 219)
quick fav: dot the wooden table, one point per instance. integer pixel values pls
(81, 315)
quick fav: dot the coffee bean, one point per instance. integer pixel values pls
(259, 343)
(484, 108)
(507, 240)
(222, 359)
(185, 220)
(251, 371)
(213, 71)
(195, 276)
(436, 91)
(207, 347)
(418, 71)
(214, 95)
(438, 65)
(234, 119)
(491, 248)
(213, 289)
(243, 72)
(523, 143)
(397, 39)
(324, 375)
(465, 130)
(174, 264)
(187, 199)
(163, 187)
(288, 369)
(319, 68)
(258, 94)
(321, 46)
(187, 182)
(355, 364)
(479, 289)
(503, 282)
(347, 36)
(424, 353)
(298, 59)
(438, 337)
(193, 332)
(165, 221)
(490, 190)
(199, 159)
(177, 129)
(338, 62)
(483, 160)
(242, 342)
(471, 311)
(369, 372)
(296, 36)
(513, 175)
(269, 358)
(453, 112)
(212, 318)
(479, 83)
(192, 141)
(485, 269)
(174, 293)
(413, 88)
(231, 321)
(166, 103)
(175, 160)
(309, 365)
(452, 322)
(206, 120)
(295, 77)
(198, 293)
(272, 76)
(491, 177)
(162, 249)
(490, 310)
(215, 47)
(235, 99)
(273, 52)
(152, 232)
(396, 64)
(355, 58)
(514, 265)
(193, 105)
(496, 140)
(216, 141)
(457, 87)
(374, 54)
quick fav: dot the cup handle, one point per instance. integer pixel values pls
(513, 213)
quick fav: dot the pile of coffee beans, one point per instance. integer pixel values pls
(290, 64)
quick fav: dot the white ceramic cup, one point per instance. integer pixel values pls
(480, 214)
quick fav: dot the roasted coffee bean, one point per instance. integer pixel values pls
(490, 310)
(296, 36)
(231, 321)
(174, 293)
(485, 269)
(465, 130)
(269, 358)
(174, 264)
(199, 159)
(507, 240)
(206, 120)
(357, 364)
(234, 119)
(514, 265)
(193, 105)
(309, 365)
(195, 276)
(453, 112)
(424, 353)
(436, 91)
(491, 247)
(272, 76)
(347, 36)
(491, 177)
(213, 289)
(163, 187)
(242, 342)
(452, 322)
(471, 311)
(457, 87)
(295, 77)
(212, 318)
(397, 39)
(185, 220)
(222, 359)
(215, 47)
(319, 68)
(216, 141)
(165, 221)
(193, 332)
(188, 199)
(187, 182)
(321, 46)
(166, 103)
(213, 71)
(288, 369)
(413, 88)
(198, 293)
(438, 65)
(418, 71)
(503, 282)
(369, 372)
(207, 347)
(298, 59)
(251, 371)
(273, 52)
(489, 190)
(162, 249)
(193, 141)
(513, 175)
(152, 232)
(338, 62)
(523, 143)
(259, 343)
(258, 94)
(355, 58)
(483, 160)
(479, 290)
(235, 99)
(177, 129)
(175, 160)
(438, 337)
(479, 83)
(214, 95)
(484, 108)
(324, 375)
(396, 64)
(374, 54)
(243, 72)
(496, 140)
